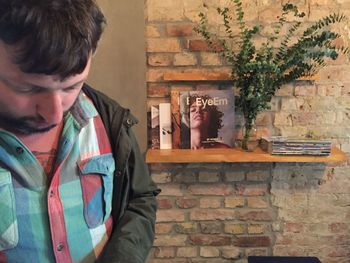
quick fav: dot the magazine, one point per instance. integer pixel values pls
(165, 133)
(207, 119)
(175, 118)
(184, 121)
(295, 146)
(155, 127)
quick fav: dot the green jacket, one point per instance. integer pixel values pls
(134, 203)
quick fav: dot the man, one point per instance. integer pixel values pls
(73, 184)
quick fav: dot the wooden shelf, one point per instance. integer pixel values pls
(208, 76)
(196, 76)
(236, 155)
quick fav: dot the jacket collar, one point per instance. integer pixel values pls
(83, 110)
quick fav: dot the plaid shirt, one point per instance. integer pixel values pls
(65, 219)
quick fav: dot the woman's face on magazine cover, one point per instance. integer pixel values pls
(199, 117)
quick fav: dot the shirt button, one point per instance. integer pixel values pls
(52, 193)
(19, 150)
(60, 247)
(129, 121)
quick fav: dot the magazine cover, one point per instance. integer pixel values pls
(207, 119)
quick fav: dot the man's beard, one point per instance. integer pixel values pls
(29, 125)
(24, 125)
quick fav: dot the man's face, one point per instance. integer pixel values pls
(34, 103)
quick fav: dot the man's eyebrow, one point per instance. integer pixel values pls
(8, 82)
(75, 84)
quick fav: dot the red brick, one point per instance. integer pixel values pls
(179, 30)
(164, 252)
(252, 241)
(154, 75)
(188, 252)
(305, 119)
(170, 215)
(210, 202)
(152, 31)
(256, 229)
(209, 252)
(256, 252)
(210, 227)
(343, 251)
(170, 240)
(263, 119)
(293, 227)
(335, 74)
(270, 15)
(212, 214)
(338, 227)
(305, 90)
(161, 167)
(185, 178)
(252, 190)
(186, 202)
(284, 240)
(171, 190)
(160, 60)
(341, 239)
(257, 202)
(285, 90)
(201, 45)
(163, 45)
(163, 228)
(210, 240)
(164, 203)
(186, 228)
(212, 189)
(161, 178)
(345, 90)
(236, 229)
(198, 45)
(254, 215)
(230, 252)
(232, 202)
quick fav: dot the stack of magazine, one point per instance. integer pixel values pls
(279, 145)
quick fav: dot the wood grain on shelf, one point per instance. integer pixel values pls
(236, 155)
(209, 76)
(196, 76)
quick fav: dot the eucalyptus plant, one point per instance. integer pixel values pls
(259, 72)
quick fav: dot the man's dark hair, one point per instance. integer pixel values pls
(52, 37)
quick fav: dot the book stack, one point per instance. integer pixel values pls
(279, 145)
(194, 120)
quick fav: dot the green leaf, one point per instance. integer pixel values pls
(259, 72)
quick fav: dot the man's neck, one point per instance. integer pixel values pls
(42, 142)
(44, 146)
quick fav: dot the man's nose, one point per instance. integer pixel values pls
(50, 108)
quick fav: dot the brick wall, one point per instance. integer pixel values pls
(223, 213)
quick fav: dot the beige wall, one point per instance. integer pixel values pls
(119, 65)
